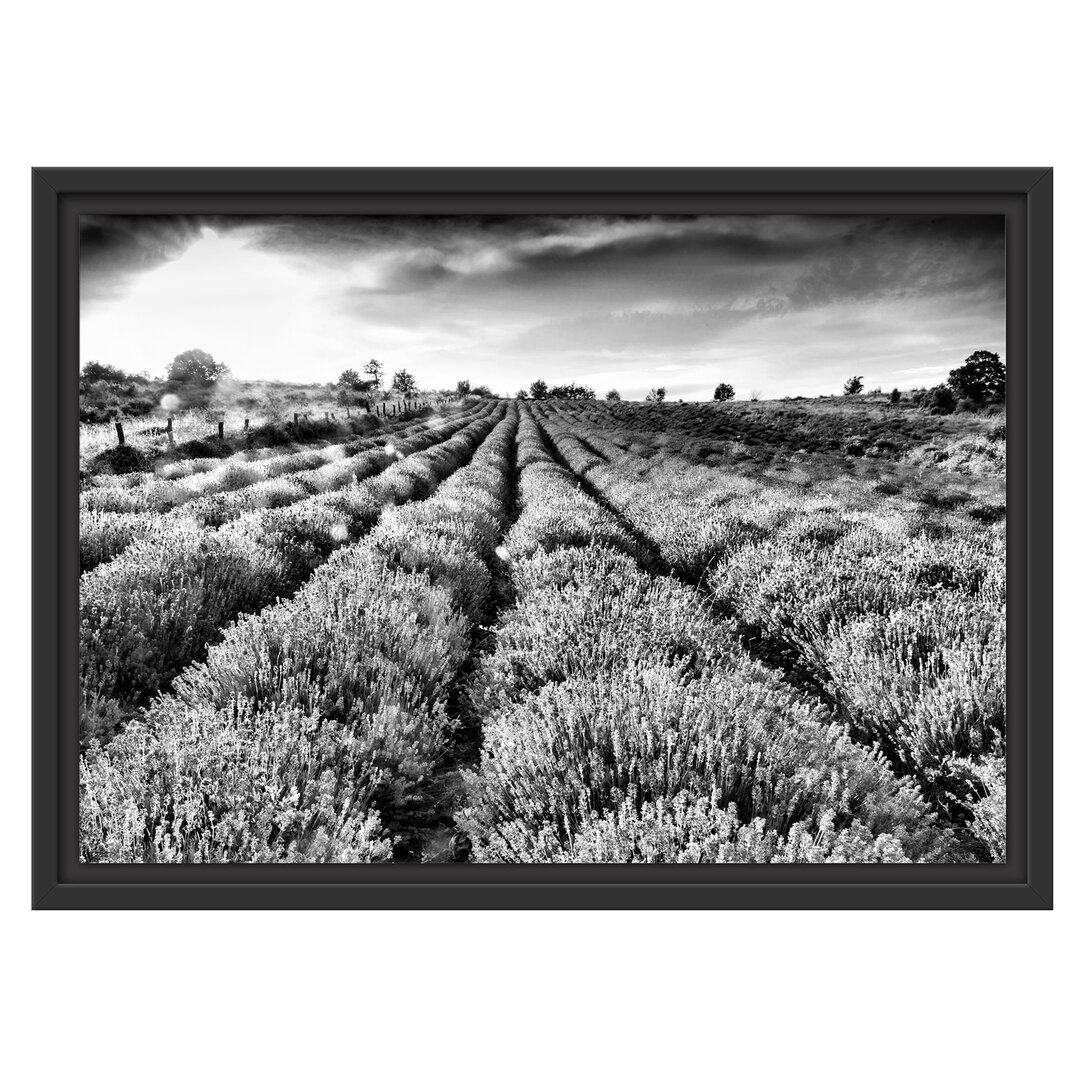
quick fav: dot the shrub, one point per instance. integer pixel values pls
(103, 535)
(592, 611)
(938, 401)
(591, 743)
(683, 829)
(232, 785)
(145, 616)
(926, 682)
(121, 460)
(985, 802)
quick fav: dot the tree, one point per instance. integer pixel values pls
(657, 395)
(539, 390)
(403, 384)
(373, 369)
(981, 377)
(483, 390)
(352, 389)
(521, 395)
(95, 372)
(350, 380)
(463, 388)
(573, 392)
(853, 385)
(894, 397)
(613, 395)
(196, 368)
(724, 392)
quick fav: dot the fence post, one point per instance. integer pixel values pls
(221, 429)
(168, 430)
(247, 422)
(348, 413)
(120, 432)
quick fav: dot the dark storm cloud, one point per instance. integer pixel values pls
(739, 263)
(895, 257)
(114, 249)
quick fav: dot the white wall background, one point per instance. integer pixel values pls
(500, 994)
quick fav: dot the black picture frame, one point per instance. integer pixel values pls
(60, 195)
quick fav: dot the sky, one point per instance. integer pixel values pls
(776, 305)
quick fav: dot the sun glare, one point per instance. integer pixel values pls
(250, 309)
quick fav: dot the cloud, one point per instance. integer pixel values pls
(783, 301)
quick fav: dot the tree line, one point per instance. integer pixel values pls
(979, 381)
(194, 374)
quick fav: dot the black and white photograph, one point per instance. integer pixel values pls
(542, 539)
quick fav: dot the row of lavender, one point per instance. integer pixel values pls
(155, 608)
(116, 511)
(313, 728)
(624, 721)
(899, 622)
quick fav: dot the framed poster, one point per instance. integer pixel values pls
(554, 537)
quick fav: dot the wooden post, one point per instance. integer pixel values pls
(296, 418)
(348, 413)
(120, 432)
(247, 422)
(168, 430)
(221, 429)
